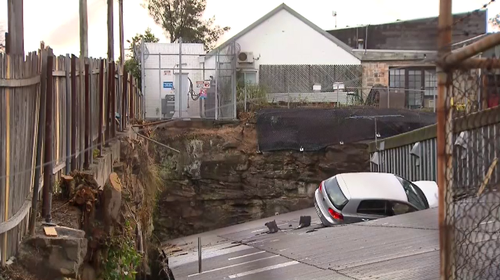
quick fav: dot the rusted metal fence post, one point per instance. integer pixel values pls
(124, 101)
(444, 48)
(80, 111)
(48, 145)
(137, 101)
(74, 98)
(67, 67)
(113, 101)
(101, 106)
(108, 105)
(92, 109)
(87, 142)
(118, 95)
(131, 96)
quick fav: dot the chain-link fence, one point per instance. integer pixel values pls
(291, 84)
(370, 84)
(472, 175)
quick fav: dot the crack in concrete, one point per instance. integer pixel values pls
(393, 226)
(390, 259)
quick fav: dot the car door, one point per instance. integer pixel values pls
(370, 209)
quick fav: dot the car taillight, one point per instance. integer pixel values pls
(335, 215)
(320, 186)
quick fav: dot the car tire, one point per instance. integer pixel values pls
(323, 223)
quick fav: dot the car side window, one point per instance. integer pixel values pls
(398, 208)
(373, 207)
(414, 196)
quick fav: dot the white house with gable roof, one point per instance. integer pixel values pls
(282, 54)
(288, 53)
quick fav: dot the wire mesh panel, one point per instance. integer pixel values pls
(206, 88)
(295, 82)
(301, 78)
(226, 81)
(472, 175)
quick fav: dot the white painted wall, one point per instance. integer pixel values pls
(154, 77)
(284, 39)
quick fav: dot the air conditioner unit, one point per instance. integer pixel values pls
(245, 57)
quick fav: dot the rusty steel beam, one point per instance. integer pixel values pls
(87, 151)
(122, 36)
(113, 101)
(48, 145)
(444, 47)
(476, 63)
(131, 94)
(471, 50)
(124, 100)
(108, 105)
(67, 67)
(74, 120)
(101, 106)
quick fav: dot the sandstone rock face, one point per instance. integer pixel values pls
(215, 183)
(55, 257)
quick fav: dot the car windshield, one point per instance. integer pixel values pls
(334, 192)
(414, 194)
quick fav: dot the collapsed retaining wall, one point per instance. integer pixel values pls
(104, 221)
(219, 178)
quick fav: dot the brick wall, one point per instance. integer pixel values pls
(378, 72)
(416, 34)
(374, 73)
(466, 84)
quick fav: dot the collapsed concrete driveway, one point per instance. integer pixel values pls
(399, 247)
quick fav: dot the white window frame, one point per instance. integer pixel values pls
(252, 71)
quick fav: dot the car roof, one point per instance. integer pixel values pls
(372, 185)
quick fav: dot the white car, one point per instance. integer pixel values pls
(356, 197)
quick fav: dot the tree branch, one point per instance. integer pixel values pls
(184, 18)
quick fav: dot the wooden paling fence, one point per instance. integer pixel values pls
(56, 115)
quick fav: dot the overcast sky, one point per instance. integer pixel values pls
(56, 21)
